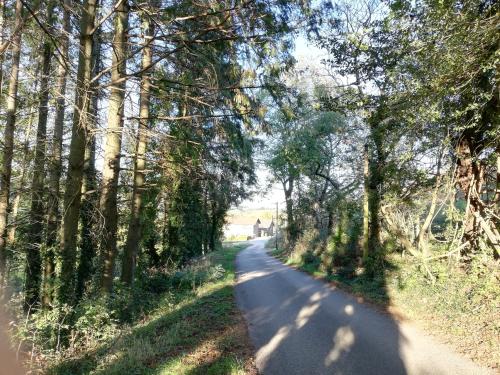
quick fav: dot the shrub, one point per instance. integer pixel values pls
(309, 258)
(63, 331)
(95, 322)
(307, 242)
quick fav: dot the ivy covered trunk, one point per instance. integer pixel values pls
(366, 203)
(8, 139)
(72, 195)
(33, 269)
(470, 178)
(291, 225)
(112, 150)
(55, 163)
(88, 212)
(375, 182)
(134, 233)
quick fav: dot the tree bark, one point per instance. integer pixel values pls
(497, 188)
(212, 232)
(376, 179)
(33, 269)
(72, 195)
(366, 208)
(164, 223)
(470, 177)
(2, 32)
(55, 161)
(134, 233)
(112, 150)
(422, 244)
(496, 200)
(291, 226)
(12, 228)
(206, 218)
(88, 244)
(8, 138)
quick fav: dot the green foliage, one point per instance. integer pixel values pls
(310, 260)
(460, 305)
(203, 116)
(95, 321)
(43, 329)
(185, 223)
(161, 312)
(192, 276)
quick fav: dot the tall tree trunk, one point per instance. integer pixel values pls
(134, 233)
(164, 225)
(470, 177)
(214, 222)
(2, 32)
(112, 150)
(206, 218)
(376, 177)
(422, 244)
(366, 209)
(330, 219)
(8, 138)
(72, 195)
(291, 227)
(12, 228)
(55, 161)
(88, 243)
(374, 209)
(33, 269)
(496, 200)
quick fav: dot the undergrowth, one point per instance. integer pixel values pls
(179, 322)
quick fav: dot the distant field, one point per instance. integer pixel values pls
(260, 213)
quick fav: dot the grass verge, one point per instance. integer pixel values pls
(194, 330)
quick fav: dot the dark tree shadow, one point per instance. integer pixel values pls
(300, 325)
(208, 323)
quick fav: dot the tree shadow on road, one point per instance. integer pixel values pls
(307, 340)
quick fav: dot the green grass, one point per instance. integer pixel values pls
(193, 331)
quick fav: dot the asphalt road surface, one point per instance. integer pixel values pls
(300, 325)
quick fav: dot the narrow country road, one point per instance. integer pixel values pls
(300, 325)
